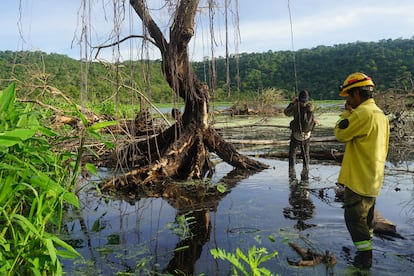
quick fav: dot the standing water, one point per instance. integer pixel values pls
(142, 236)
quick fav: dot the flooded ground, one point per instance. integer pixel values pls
(149, 234)
(156, 236)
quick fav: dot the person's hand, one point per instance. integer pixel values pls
(348, 106)
(295, 100)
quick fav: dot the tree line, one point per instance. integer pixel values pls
(320, 70)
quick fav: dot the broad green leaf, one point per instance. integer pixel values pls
(47, 131)
(46, 183)
(26, 224)
(94, 134)
(6, 189)
(65, 254)
(81, 116)
(64, 245)
(33, 121)
(51, 249)
(71, 198)
(5, 266)
(5, 244)
(59, 270)
(36, 267)
(101, 125)
(91, 168)
(109, 144)
(97, 136)
(7, 98)
(9, 141)
(21, 133)
(22, 121)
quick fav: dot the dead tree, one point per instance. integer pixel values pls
(183, 150)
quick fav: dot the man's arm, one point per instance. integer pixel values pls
(291, 108)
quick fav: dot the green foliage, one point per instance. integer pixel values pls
(319, 70)
(31, 195)
(106, 107)
(221, 188)
(254, 258)
(181, 226)
(91, 131)
(35, 70)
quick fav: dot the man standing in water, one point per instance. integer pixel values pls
(302, 125)
(365, 130)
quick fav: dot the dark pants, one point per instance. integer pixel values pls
(304, 149)
(359, 215)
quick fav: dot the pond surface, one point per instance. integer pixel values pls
(116, 235)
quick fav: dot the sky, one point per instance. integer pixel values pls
(56, 26)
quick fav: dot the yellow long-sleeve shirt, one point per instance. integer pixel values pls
(366, 134)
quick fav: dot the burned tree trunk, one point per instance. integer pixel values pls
(183, 150)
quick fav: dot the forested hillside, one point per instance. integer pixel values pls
(320, 70)
(31, 70)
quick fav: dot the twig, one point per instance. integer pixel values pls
(36, 101)
(149, 102)
(120, 41)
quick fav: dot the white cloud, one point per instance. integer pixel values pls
(264, 25)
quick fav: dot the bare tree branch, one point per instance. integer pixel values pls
(120, 41)
(142, 10)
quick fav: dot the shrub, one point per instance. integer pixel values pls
(32, 197)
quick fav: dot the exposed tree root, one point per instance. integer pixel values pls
(229, 154)
(188, 157)
(184, 196)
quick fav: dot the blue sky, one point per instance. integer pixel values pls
(55, 26)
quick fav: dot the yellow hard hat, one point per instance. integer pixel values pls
(355, 80)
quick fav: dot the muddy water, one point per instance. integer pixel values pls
(138, 237)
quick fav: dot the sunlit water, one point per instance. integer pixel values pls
(117, 236)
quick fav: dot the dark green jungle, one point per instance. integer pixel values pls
(320, 70)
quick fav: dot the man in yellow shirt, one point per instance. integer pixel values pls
(365, 130)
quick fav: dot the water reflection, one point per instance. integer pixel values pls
(302, 207)
(195, 207)
(101, 231)
(131, 235)
(188, 251)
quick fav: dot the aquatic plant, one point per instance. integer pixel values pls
(254, 258)
(181, 226)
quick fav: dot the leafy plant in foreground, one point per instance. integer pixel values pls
(254, 258)
(31, 194)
